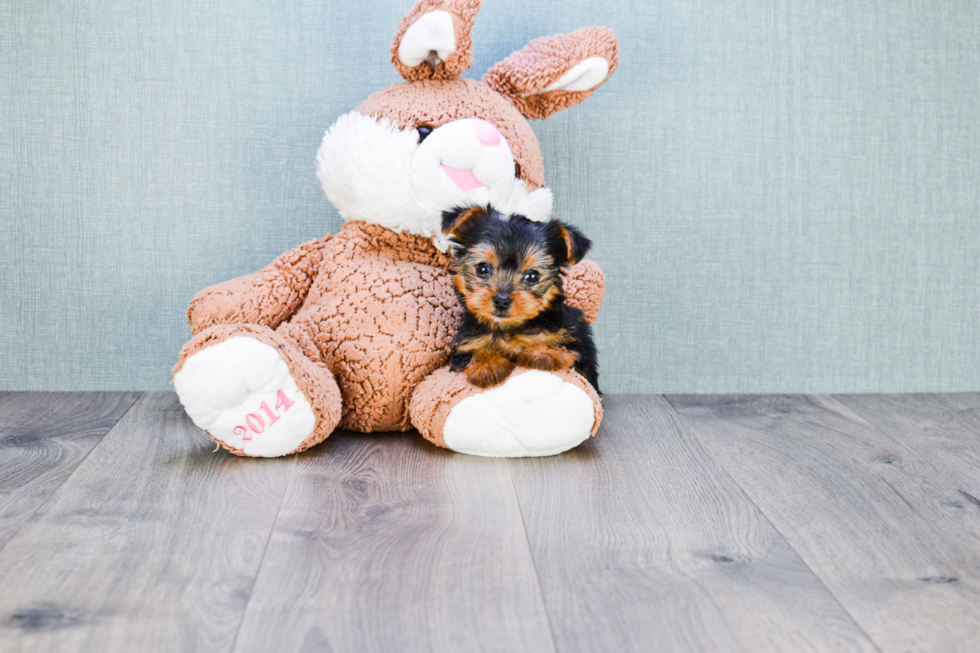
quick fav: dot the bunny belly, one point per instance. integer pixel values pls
(381, 326)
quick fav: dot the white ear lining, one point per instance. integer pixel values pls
(583, 76)
(432, 32)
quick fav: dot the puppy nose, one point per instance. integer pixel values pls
(502, 302)
(486, 133)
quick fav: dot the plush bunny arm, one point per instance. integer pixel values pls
(585, 286)
(268, 297)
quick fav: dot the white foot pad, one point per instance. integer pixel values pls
(532, 414)
(241, 392)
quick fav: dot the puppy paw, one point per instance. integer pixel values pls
(549, 359)
(488, 372)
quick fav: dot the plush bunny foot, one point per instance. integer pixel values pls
(255, 394)
(533, 413)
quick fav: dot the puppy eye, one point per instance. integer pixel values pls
(423, 132)
(483, 270)
(532, 277)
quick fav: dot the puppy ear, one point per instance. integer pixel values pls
(433, 40)
(556, 72)
(460, 221)
(572, 242)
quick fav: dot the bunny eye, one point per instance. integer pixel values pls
(423, 132)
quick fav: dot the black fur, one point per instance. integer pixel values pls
(557, 316)
(514, 235)
(512, 238)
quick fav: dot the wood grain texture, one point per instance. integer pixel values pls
(643, 543)
(151, 545)
(386, 543)
(876, 519)
(143, 539)
(968, 402)
(43, 437)
(943, 430)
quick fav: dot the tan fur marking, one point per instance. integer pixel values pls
(466, 216)
(520, 341)
(569, 244)
(494, 355)
(540, 260)
(547, 357)
(486, 253)
(537, 259)
(475, 344)
(529, 262)
(488, 368)
(480, 303)
(510, 345)
(526, 306)
(460, 284)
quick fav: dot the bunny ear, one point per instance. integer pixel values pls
(433, 40)
(556, 72)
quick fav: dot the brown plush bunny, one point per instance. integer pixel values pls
(355, 329)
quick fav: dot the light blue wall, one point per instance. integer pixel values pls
(785, 196)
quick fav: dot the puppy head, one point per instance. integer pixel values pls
(508, 269)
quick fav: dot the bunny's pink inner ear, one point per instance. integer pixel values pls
(556, 72)
(433, 40)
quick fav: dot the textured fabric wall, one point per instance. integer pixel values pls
(784, 195)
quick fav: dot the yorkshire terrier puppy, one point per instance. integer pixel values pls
(508, 274)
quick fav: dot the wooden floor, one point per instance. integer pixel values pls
(691, 523)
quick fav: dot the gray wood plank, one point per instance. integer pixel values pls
(386, 543)
(871, 515)
(944, 430)
(151, 545)
(969, 402)
(643, 543)
(43, 437)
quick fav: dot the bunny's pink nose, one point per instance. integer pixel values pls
(486, 133)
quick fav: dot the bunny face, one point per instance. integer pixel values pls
(435, 103)
(434, 142)
(417, 149)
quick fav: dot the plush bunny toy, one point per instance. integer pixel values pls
(355, 329)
